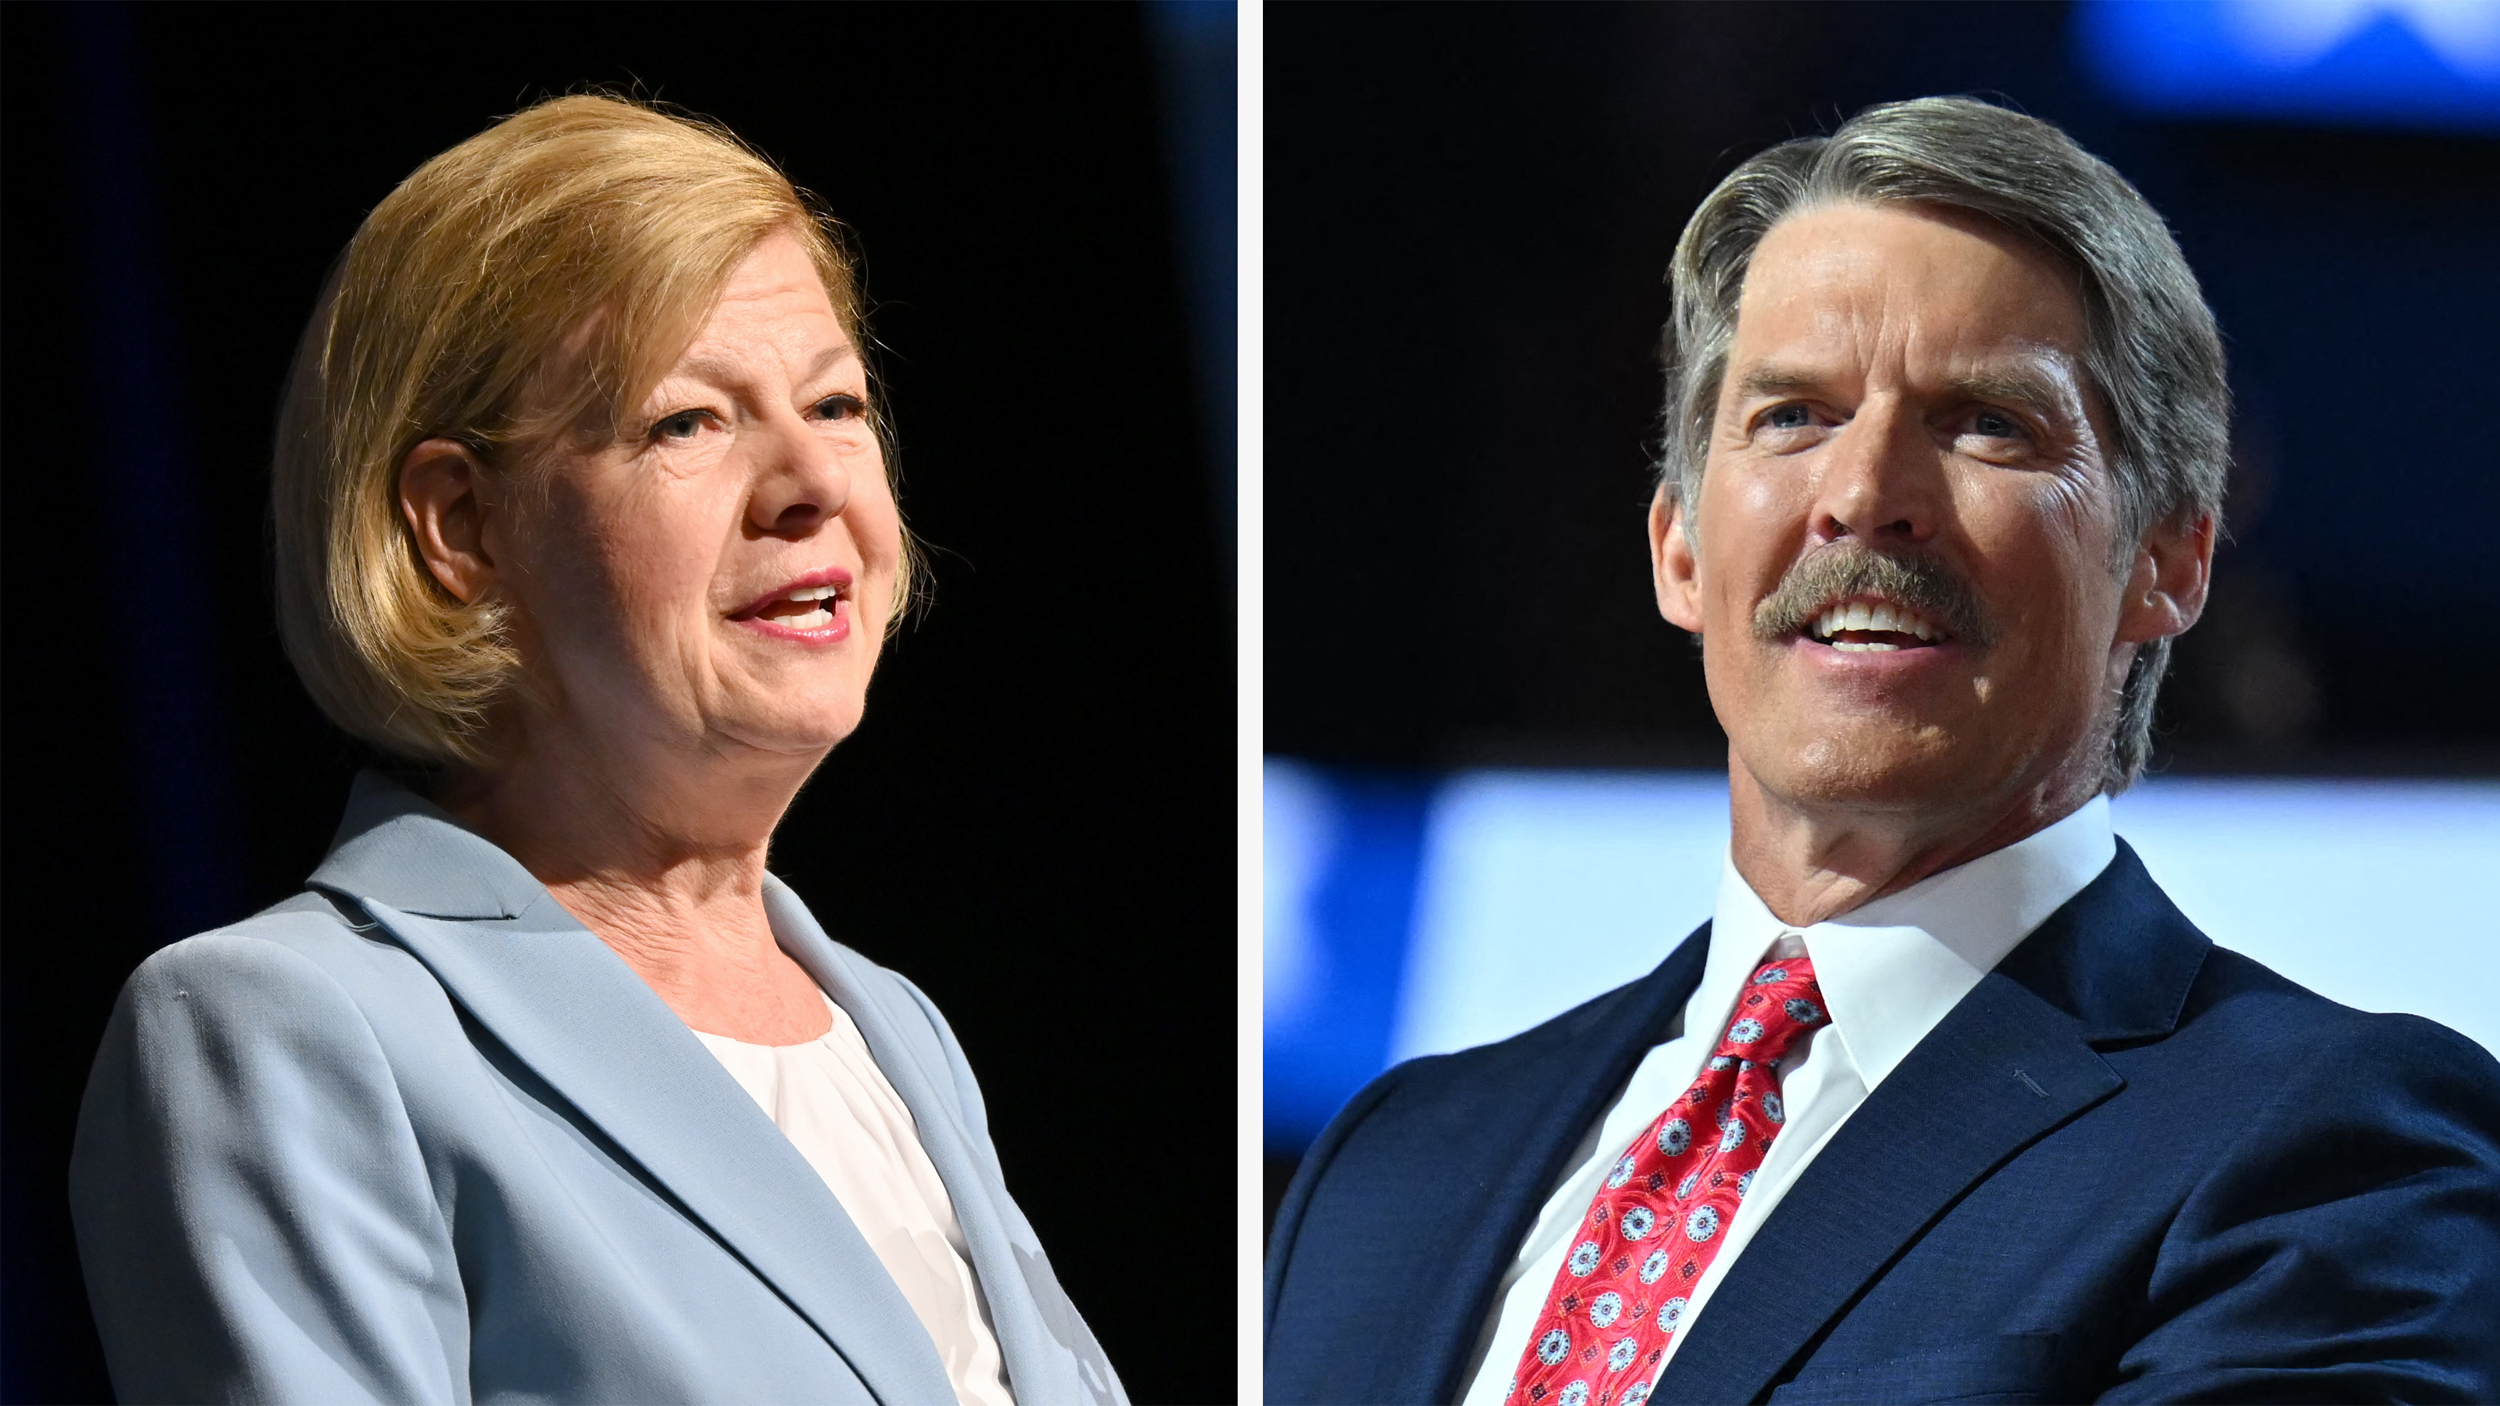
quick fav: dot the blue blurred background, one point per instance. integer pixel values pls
(1495, 787)
(1406, 919)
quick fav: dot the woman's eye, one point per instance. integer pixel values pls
(841, 407)
(685, 424)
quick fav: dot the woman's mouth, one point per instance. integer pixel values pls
(810, 609)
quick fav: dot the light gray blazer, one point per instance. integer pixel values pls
(417, 1135)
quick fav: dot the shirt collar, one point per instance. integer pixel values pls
(1891, 969)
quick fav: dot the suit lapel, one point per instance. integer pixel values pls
(2008, 1065)
(1039, 1366)
(1959, 1105)
(1523, 1141)
(571, 1010)
(581, 1020)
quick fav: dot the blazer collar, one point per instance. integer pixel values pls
(577, 1017)
(2009, 1064)
(396, 846)
(2119, 959)
(1049, 1357)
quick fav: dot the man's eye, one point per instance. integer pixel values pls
(1995, 425)
(841, 407)
(1788, 417)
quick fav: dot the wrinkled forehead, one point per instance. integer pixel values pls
(774, 308)
(1915, 290)
(593, 378)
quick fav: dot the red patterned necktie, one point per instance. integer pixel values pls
(1655, 1224)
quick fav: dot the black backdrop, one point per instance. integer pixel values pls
(1470, 210)
(1036, 821)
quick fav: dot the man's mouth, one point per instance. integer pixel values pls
(1859, 626)
(1862, 601)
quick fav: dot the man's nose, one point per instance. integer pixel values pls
(1882, 480)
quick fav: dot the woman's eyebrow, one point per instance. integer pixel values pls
(829, 358)
(720, 372)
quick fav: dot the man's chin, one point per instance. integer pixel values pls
(1864, 767)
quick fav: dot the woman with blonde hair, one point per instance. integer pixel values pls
(544, 1086)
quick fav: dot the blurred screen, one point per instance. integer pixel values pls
(1409, 917)
(2422, 63)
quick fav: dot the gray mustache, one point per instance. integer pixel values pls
(1850, 568)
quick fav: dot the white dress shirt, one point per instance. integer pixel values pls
(837, 1108)
(1890, 971)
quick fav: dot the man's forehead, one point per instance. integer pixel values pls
(1836, 291)
(1866, 251)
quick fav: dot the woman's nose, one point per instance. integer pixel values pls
(1882, 481)
(801, 481)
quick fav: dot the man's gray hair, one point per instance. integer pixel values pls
(2153, 354)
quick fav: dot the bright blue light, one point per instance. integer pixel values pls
(1404, 919)
(1342, 854)
(2410, 63)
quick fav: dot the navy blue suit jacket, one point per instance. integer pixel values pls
(2129, 1166)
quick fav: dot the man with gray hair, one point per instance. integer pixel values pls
(1947, 1101)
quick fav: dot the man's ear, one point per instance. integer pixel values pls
(442, 495)
(1673, 568)
(2166, 586)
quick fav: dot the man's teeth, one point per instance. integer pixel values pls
(1873, 617)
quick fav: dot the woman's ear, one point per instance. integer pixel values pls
(441, 494)
(1673, 568)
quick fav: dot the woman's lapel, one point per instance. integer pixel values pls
(570, 1009)
(1050, 1354)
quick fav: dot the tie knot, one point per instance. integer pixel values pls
(1780, 1002)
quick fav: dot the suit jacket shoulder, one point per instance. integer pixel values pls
(2128, 1164)
(1403, 1213)
(417, 1135)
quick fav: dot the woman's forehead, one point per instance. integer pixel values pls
(773, 316)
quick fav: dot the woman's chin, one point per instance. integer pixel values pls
(798, 735)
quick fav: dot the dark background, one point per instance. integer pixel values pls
(1036, 821)
(1470, 211)
(1469, 215)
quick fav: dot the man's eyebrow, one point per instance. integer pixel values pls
(2032, 388)
(1771, 378)
(2026, 387)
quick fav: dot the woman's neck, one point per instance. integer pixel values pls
(665, 864)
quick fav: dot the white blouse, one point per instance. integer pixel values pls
(833, 1103)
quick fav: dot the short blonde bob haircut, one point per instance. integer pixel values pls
(589, 217)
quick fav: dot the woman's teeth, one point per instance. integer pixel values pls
(799, 610)
(1870, 618)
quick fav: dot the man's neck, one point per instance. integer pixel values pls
(1813, 861)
